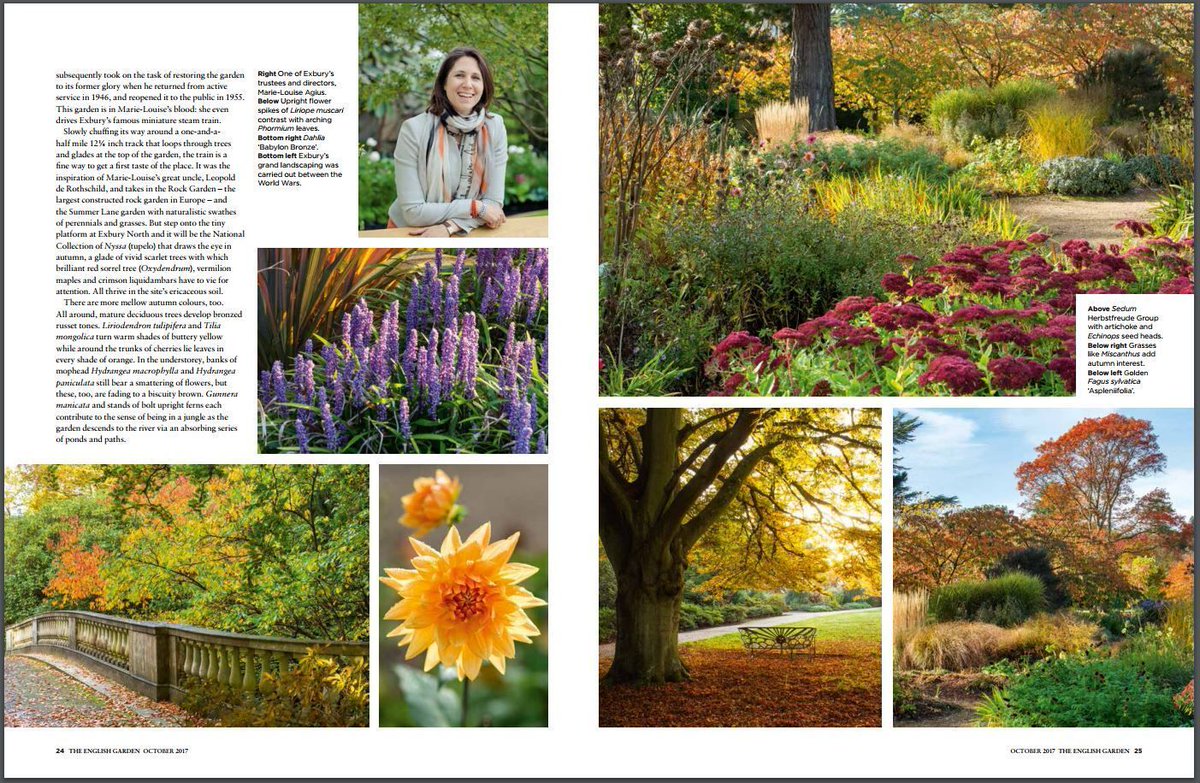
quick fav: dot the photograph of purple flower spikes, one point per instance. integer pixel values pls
(453, 359)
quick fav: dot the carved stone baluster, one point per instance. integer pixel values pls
(264, 668)
(213, 670)
(249, 678)
(222, 664)
(235, 667)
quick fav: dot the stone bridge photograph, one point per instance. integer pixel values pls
(189, 595)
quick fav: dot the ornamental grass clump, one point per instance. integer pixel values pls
(997, 319)
(460, 364)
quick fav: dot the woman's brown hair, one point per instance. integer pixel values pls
(439, 104)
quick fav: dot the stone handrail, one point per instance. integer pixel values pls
(159, 659)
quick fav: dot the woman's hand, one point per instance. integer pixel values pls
(492, 215)
(439, 230)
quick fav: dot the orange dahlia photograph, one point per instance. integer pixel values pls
(463, 615)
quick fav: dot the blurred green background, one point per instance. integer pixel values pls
(399, 50)
(514, 499)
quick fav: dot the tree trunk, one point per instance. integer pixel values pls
(649, 595)
(812, 63)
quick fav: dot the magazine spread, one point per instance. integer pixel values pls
(872, 421)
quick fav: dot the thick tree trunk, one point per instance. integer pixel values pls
(649, 595)
(812, 63)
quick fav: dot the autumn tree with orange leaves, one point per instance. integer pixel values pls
(936, 543)
(1086, 475)
(277, 550)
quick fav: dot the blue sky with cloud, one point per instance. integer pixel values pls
(974, 453)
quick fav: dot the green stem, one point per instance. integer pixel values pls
(465, 701)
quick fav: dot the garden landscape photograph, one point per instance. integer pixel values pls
(856, 199)
(1043, 568)
(739, 567)
(186, 595)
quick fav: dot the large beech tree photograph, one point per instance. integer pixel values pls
(1043, 568)
(739, 547)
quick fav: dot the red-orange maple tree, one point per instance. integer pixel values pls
(1086, 475)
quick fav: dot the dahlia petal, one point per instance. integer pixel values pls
(514, 573)
(481, 536)
(432, 658)
(422, 549)
(497, 661)
(502, 550)
(471, 664)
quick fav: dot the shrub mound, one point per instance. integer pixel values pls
(1007, 600)
(1079, 176)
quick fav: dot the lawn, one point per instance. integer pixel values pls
(835, 627)
(839, 686)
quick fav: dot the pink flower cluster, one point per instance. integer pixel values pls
(998, 319)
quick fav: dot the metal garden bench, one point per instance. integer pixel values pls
(788, 639)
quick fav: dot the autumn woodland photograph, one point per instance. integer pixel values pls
(186, 595)
(1043, 567)
(739, 567)
(893, 199)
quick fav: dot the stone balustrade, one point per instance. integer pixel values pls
(159, 660)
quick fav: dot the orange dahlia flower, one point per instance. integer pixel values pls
(432, 502)
(461, 606)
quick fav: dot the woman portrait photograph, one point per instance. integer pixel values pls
(453, 120)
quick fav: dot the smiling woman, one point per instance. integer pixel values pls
(451, 159)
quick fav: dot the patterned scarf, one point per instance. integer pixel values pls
(472, 135)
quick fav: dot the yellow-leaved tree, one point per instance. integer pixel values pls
(770, 499)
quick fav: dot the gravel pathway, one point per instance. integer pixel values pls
(41, 689)
(608, 650)
(1092, 219)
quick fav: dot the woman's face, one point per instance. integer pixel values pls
(464, 85)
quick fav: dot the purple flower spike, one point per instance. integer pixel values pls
(347, 329)
(450, 311)
(301, 436)
(469, 355)
(544, 361)
(449, 359)
(409, 362)
(488, 302)
(509, 295)
(521, 427)
(423, 371)
(308, 347)
(412, 315)
(460, 262)
(435, 302)
(540, 448)
(265, 394)
(339, 400)
(327, 422)
(437, 258)
(405, 423)
(392, 334)
(278, 381)
(329, 361)
(302, 379)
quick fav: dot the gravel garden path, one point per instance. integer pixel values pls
(45, 690)
(1064, 218)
